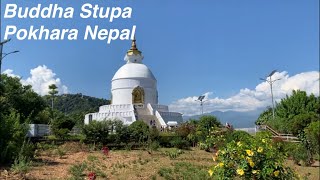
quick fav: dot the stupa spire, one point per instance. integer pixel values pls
(134, 50)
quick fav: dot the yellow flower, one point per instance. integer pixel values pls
(210, 172)
(260, 149)
(239, 144)
(240, 172)
(263, 140)
(221, 164)
(254, 172)
(251, 163)
(249, 152)
(276, 173)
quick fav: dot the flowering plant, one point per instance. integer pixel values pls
(253, 159)
(91, 176)
(105, 150)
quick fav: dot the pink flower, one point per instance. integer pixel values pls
(92, 176)
(105, 150)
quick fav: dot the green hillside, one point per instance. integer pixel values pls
(77, 103)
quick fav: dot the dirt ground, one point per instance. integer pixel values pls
(120, 164)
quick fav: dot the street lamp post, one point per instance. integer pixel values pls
(270, 81)
(200, 99)
(3, 55)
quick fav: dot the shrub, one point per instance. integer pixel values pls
(12, 136)
(139, 131)
(173, 153)
(166, 138)
(307, 147)
(61, 125)
(166, 173)
(255, 159)
(154, 145)
(204, 126)
(76, 170)
(297, 152)
(180, 143)
(21, 165)
(154, 134)
(96, 132)
(313, 135)
(60, 152)
(239, 136)
(216, 138)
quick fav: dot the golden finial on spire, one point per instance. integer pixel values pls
(133, 50)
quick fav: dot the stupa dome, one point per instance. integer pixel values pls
(133, 70)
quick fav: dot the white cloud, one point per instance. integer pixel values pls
(247, 99)
(9, 72)
(40, 79)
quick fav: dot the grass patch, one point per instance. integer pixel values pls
(186, 171)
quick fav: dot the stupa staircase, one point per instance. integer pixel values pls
(146, 116)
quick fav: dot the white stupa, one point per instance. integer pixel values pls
(135, 96)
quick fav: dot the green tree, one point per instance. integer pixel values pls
(205, 124)
(22, 98)
(61, 125)
(293, 113)
(53, 92)
(264, 117)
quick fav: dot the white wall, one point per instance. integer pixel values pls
(121, 90)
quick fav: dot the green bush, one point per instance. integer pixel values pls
(313, 135)
(239, 136)
(61, 125)
(297, 152)
(154, 145)
(139, 131)
(166, 173)
(21, 165)
(12, 137)
(180, 143)
(253, 159)
(96, 132)
(166, 138)
(76, 171)
(173, 153)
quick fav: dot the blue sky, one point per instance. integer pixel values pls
(192, 47)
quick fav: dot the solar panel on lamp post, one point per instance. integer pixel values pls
(200, 99)
(270, 81)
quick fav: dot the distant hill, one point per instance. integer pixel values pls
(237, 119)
(77, 103)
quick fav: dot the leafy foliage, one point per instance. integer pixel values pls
(77, 105)
(205, 124)
(21, 98)
(255, 159)
(12, 136)
(313, 135)
(293, 113)
(61, 125)
(139, 131)
(96, 131)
